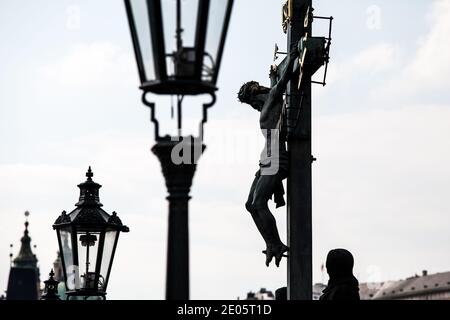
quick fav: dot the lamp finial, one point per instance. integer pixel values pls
(89, 174)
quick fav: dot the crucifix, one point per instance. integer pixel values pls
(285, 118)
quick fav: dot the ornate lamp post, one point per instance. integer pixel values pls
(87, 239)
(178, 46)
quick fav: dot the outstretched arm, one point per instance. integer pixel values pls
(273, 104)
(280, 87)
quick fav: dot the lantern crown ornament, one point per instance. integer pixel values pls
(87, 239)
(51, 288)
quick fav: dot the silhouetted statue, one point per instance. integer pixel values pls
(342, 284)
(274, 158)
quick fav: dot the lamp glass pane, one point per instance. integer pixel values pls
(87, 257)
(142, 25)
(110, 240)
(216, 19)
(67, 254)
(188, 24)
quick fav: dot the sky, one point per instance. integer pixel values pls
(69, 98)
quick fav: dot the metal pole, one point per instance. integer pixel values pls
(179, 115)
(299, 223)
(178, 181)
(179, 30)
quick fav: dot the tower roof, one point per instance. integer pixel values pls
(23, 282)
(26, 258)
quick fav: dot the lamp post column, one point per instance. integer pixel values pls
(178, 179)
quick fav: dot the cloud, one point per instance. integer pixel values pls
(381, 188)
(426, 74)
(90, 66)
(431, 65)
(371, 61)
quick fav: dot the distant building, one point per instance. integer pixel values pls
(317, 290)
(59, 276)
(425, 287)
(58, 268)
(368, 290)
(263, 294)
(24, 282)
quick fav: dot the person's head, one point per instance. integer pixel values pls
(281, 294)
(253, 94)
(339, 263)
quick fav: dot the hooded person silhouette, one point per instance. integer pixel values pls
(342, 284)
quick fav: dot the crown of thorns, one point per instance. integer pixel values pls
(247, 90)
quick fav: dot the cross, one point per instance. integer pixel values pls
(296, 24)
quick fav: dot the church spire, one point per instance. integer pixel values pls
(26, 258)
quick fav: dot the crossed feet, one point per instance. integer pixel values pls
(277, 252)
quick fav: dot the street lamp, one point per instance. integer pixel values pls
(87, 239)
(178, 46)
